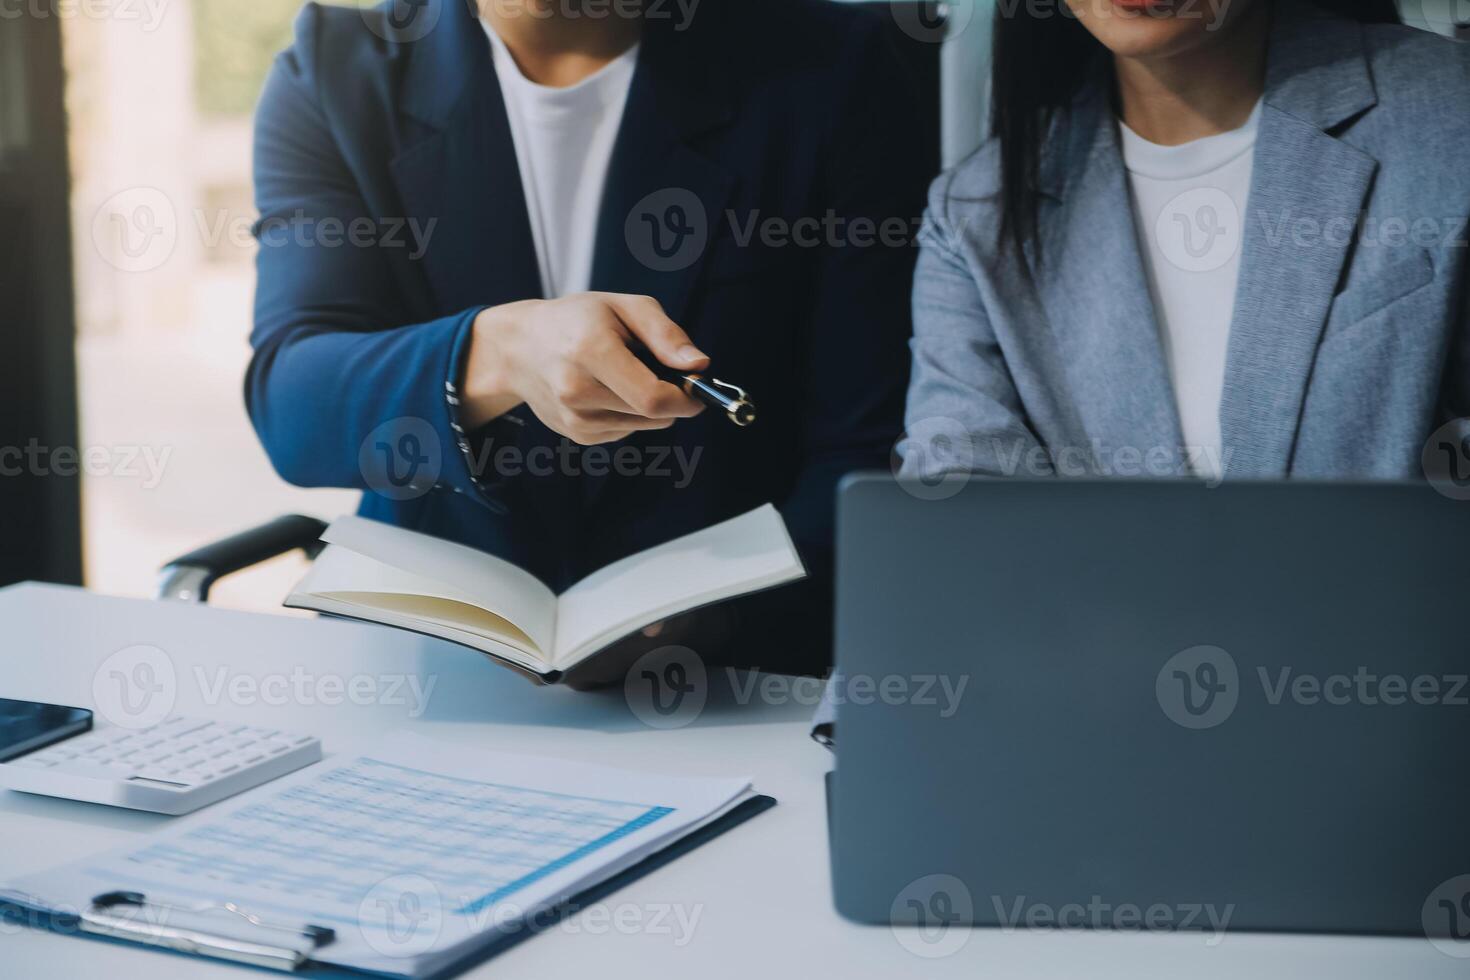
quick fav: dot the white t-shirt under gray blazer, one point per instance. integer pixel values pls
(1348, 339)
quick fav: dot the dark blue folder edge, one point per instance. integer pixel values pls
(11, 912)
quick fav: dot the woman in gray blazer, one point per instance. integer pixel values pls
(1203, 239)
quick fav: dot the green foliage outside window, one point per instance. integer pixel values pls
(235, 41)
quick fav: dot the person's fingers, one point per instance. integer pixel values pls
(598, 355)
(588, 437)
(596, 428)
(645, 319)
(653, 631)
(605, 421)
(576, 387)
(632, 381)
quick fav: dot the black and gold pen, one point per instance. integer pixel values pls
(728, 398)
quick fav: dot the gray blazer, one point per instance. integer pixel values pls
(1349, 339)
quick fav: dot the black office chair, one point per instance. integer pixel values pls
(917, 27)
(189, 578)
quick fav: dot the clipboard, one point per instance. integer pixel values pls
(289, 946)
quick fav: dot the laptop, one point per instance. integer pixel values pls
(1145, 705)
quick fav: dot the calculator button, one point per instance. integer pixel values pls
(161, 775)
(89, 770)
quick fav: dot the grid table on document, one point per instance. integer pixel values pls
(337, 836)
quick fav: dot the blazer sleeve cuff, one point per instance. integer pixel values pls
(477, 447)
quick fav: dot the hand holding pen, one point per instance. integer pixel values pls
(731, 400)
(572, 361)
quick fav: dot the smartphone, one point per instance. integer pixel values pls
(26, 726)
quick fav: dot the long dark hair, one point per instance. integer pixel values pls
(1040, 59)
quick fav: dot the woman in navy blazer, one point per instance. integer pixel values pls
(778, 136)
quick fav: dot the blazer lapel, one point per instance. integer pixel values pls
(1089, 248)
(1307, 191)
(463, 174)
(664, 200)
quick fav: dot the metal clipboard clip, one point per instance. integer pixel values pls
(285, 946)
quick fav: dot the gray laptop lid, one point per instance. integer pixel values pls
(1066, 699)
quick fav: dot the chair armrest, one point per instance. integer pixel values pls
(188, 578)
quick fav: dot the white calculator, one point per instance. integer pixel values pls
(176, 766)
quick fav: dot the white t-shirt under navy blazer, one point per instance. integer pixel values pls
(564, 141)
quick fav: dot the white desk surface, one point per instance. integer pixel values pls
(761, 892)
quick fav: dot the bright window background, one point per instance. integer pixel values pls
(159, 98)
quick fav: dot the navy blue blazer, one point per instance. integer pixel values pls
(392, 213)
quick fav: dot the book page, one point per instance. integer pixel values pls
(743, 554)
(345, 583)
(451, 571)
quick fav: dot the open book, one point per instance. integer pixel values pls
(396, 577)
